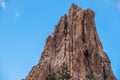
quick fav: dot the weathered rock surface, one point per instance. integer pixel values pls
(74, 41)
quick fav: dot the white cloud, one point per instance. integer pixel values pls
(3, 4)
(115, 3)
(118, 5)
(107, 0)
(17, 14)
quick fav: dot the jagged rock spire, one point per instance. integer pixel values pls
(75, 42)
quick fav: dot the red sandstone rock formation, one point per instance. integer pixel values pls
(75, 42)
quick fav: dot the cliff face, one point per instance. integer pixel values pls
(75, 42)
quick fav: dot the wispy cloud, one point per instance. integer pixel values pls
(118, 5)
(17, 14)
(3, 4)
(115, 3)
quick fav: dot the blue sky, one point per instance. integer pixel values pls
(25, 25)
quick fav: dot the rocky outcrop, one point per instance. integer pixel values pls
(75, 42)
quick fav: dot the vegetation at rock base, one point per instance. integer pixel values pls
(105, 77)
(88, 77)
(51, 76)
(62, 74)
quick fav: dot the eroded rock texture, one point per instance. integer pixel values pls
(74, 41)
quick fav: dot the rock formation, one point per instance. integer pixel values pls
(75, 42)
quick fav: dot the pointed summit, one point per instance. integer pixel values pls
(74, 42)
(74, 6)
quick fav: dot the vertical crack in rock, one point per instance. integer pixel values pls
(83, 31)
(65, 33)
(104, 75)
(55, 44)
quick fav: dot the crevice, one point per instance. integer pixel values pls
(72, 47)
(86, 57)
(54, 45)
(83, 31)
(69, 55)
(86, 54)
(65, 33)
(104, 74)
